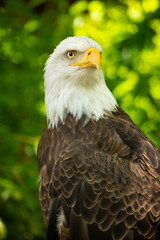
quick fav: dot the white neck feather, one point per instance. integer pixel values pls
(86, 94)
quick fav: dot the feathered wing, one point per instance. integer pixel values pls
(103, 176)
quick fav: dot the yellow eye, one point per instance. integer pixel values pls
(70, 54)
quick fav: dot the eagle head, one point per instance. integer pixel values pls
(74, 82)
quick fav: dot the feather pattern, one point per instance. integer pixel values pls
(104, 175)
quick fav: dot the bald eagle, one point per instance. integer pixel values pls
(99, 174)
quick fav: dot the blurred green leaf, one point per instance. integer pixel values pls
(3, 230)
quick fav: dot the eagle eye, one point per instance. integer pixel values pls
(70, 54)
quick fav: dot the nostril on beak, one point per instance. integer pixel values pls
(89, 53)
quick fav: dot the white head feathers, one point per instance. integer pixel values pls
(69, 89)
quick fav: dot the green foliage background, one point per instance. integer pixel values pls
(129, 33)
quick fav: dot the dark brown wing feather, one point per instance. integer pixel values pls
(106, 176)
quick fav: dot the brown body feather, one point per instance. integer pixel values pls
(104, 175)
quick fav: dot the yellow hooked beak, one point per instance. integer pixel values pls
(92, 58)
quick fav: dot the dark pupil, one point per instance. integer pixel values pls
(70, 54)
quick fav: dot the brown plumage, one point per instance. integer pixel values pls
(104, 175)
(99, 179)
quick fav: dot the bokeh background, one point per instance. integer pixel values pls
(129, 33)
